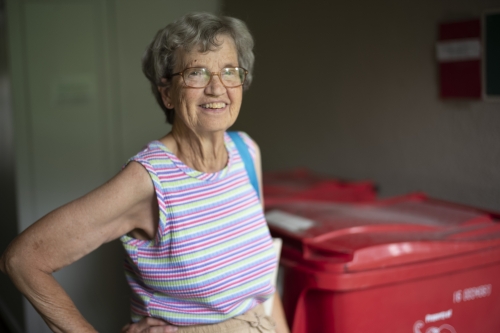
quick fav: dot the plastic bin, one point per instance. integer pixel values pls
(409, 264)
(304, 185)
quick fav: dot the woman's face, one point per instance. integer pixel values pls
(210, 109)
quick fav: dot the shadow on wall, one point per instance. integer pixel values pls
(10, 298)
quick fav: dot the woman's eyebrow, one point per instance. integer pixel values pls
(194, 64)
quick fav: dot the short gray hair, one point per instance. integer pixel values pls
(194, 30)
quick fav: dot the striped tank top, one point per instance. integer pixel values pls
(212, 256)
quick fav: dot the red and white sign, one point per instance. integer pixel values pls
(458, 53)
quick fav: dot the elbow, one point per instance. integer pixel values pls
(11, 263)
(7, 263)
(21, 262)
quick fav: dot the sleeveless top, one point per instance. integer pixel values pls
(212, 256)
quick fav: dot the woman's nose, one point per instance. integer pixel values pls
(215, 86)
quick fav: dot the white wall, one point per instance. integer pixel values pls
(81, 108)
(350, 89)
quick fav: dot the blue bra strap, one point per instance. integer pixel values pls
(247, 160)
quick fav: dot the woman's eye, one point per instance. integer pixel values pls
(229, 72)
(195, 73)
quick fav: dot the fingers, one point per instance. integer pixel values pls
(149, 325)
(155, 325)
(154, 321)
(160, 329)
(151, 329)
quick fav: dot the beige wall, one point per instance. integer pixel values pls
(350, 88)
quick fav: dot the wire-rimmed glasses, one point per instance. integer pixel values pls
(200, 77)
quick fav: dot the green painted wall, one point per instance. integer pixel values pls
(81, 108)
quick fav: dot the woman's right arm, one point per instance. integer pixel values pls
(125, 203)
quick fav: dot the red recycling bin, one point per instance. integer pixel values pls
(409, 264)
(302, 184)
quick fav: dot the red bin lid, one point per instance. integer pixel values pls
(357, 237)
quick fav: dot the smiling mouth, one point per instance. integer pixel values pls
(214, 106)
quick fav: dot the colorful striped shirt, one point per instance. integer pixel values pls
(212, 256)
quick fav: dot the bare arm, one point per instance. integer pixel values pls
(123, 204)
(278, 313)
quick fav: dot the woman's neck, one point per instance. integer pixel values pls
(202, 152)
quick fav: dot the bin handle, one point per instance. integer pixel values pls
(406, 252)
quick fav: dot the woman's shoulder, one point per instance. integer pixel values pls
(153, 150)
(154, 157)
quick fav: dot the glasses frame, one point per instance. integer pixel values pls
(211, 76)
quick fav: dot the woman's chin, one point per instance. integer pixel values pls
(215, 119)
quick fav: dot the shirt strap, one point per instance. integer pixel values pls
(247, 159)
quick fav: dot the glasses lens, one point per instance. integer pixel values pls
(200, 77)
(233, 77)
(196, 77)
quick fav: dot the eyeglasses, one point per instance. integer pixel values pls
(199, 77)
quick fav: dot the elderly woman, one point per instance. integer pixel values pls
(199, 254)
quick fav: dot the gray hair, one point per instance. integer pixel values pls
(194, 30)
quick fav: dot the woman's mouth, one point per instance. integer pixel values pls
(214, 106)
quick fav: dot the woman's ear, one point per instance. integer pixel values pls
(164, 90)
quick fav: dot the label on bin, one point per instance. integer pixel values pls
(288, 221)
(418, 327)
(470, 294)
(432, 318)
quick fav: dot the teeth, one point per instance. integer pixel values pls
(214, 105)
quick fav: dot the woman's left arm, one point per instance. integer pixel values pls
(278, 313)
